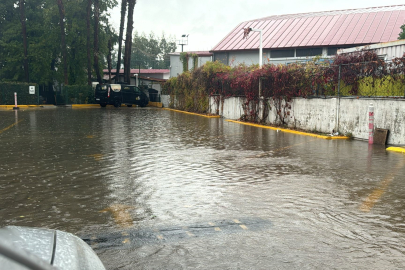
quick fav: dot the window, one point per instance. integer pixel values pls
(309, 52)
(281, 53)
(221, 57)
(332, 50)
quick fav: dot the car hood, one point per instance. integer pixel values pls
(60, 249)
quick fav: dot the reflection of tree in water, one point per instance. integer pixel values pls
(127, 200)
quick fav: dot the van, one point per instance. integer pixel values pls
(108, 94)
(117, 94)
(131, 94)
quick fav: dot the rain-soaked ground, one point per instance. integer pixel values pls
(155, 189)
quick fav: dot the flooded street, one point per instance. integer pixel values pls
(154, 189)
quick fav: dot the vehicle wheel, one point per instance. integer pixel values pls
(129, 105)
(117, 103)
(103, 104)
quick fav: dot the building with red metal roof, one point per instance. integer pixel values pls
(296, 37)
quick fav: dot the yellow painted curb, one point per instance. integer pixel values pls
(203, 115)
(155, 104)
(396, 149)
(292, 131)
(20, 106)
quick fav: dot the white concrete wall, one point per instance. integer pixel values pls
(165, 99)
(321, 115)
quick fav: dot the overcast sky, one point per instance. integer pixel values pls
(208, 21)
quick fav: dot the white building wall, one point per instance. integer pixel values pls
(246, 57)
(176, 66)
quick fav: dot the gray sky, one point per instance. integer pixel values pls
(208, 21)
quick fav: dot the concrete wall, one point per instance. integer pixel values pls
(321, 115)
(165, 99)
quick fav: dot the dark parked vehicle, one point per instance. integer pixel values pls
(131, 94)
(117, 94)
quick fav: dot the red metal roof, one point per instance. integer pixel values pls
(328, 28)
(136, 71)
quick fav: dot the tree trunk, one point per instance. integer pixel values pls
(63, 41)
(24, 36)
(96, 49)
(109, 60)
(88, 42)
(123, 12)
(128, 41)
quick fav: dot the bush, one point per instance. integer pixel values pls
(7, 90)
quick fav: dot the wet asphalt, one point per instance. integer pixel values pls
(148, 188)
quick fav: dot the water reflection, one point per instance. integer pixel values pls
(154, 172)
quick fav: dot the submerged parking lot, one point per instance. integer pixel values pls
(154, 189)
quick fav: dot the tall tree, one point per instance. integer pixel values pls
(109, 59)
(152, 51)
(123, 12)
(24, 36)
(96, 45)
(128, 41)
(63, 40)
(88, 42)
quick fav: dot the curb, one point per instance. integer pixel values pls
(198, 114)
(292, 131)
(396, 149)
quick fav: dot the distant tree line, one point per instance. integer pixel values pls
(152, 51)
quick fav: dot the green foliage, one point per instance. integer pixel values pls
(402, 33)
(22, 89)
(43, 33)
(190, 91)
(195, 60)
(361, 74)
(76, 94)
(151, 51)
(184, 56)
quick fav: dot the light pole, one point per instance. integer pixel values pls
(246, 33)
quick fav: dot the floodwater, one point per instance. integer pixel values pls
(154, 189)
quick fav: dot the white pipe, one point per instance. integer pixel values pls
(261, 46)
